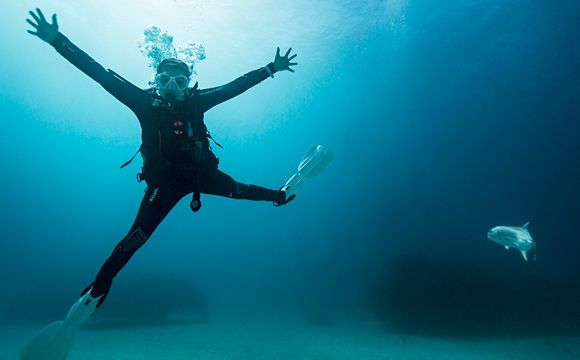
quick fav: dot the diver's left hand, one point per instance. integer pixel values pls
(42, 28)
(283, 62)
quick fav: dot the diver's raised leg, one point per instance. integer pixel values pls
(221, 184)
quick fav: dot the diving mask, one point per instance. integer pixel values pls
(168, 82)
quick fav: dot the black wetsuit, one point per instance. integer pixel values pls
(175, 146)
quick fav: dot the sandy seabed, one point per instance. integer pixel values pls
(274, 339)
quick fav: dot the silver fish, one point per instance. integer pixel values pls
(515, 237)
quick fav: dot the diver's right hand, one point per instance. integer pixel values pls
(45, 31)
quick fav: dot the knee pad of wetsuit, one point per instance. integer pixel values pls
(134, 240)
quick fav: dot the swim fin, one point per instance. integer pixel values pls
(315, 161)
(55, 341)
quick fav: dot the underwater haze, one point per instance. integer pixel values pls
(446, 118)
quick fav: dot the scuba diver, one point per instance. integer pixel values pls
(177, 159)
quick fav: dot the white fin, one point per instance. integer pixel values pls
(506, 247)
(53, 342)
(82, 309)
(525, 255)
(314, 162)
(526, 225)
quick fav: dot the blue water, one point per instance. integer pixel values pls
(446, 119)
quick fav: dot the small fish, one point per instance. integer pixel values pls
(515, 237)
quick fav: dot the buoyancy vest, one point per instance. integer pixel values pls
(177, 137)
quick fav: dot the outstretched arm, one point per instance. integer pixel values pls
(124, 91)
(209, 98)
